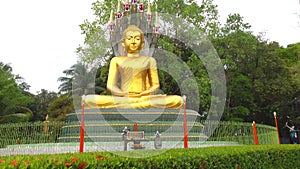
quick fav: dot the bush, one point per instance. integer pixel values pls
(239, 157)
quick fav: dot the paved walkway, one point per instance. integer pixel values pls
(59, 148)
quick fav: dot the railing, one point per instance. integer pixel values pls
(49, 132)
(242, 133)
(29, 133)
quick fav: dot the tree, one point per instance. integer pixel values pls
(12, 98)
(60, 107)
(272, 83)
(42, 101)
(291, 56)
(236, 47)
(80, 79)
(66, 81)
(258, 80)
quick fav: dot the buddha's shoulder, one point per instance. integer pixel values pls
(118, 58)
(148, 58)
(124, 58)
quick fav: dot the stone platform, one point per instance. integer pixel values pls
(107, 125)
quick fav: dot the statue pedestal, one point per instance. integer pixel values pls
(107, 125)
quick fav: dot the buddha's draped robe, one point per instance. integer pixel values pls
(138, 83)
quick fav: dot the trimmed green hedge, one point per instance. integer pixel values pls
(239, 157)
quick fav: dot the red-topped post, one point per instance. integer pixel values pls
(82, 126)
(276, 123)
(185, 135)
(255, 138)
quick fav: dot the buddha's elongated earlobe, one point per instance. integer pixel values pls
(142, 46)
(124, 46)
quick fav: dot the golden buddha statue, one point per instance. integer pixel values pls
(139, 79)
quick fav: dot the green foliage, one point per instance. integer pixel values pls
(280, 156)
(101, 79)
(40, 106)
(196, 66)
(258, 77)
(239, 113)
(60, 107)
(204, 16)
(66, 81)
(12, 95)
(15, 118)
(81, 78)
(19, 114)
(273, 84)
(291, 57)
(235, 23)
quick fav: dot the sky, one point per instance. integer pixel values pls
(280, 19)
(38, 38)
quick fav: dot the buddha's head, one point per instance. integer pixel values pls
(133, 39)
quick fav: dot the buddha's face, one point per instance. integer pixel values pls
(133, 41)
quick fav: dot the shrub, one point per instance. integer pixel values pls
(239, 157)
